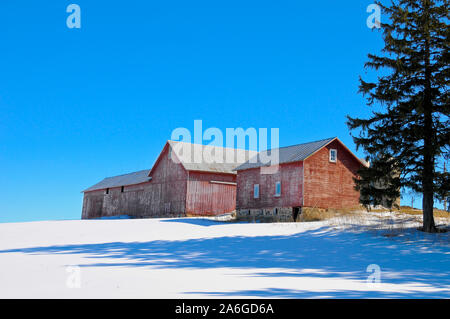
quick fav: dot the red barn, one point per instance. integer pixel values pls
(179, 184)
(317, 174)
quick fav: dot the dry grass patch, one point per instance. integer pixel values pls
(381, 222)
(413, 211)
(310, 214)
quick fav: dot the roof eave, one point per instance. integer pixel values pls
(87, 190)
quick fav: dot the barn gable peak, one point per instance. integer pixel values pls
(193, 161)
(293, 153)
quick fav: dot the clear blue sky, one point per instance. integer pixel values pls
(77, 105)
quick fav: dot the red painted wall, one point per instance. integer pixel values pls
(167, 189)
(172, 192)
(291, 177)
(206, 198)
(331, 185)
(316, 182)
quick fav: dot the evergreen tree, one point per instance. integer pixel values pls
(408, 131)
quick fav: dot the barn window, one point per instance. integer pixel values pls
(256, 191)
(278, 189)
(333, 155)
(169, 155)
(122, 189)
(107, 191)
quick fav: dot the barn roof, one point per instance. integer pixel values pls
(188, 162)
(207, 162)
(289, 154)
(121, 180)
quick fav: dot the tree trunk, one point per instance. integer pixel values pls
(428, 149)
(428, 218)
(428, 174)
(428, 168)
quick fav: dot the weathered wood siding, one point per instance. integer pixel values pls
(204, 197)
(328, 184)
(93, 204)
(117, 203)
(172, 192)
(291, 177)
(163, 196)
(167, 189)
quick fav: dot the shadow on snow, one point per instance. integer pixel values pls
(321, 253)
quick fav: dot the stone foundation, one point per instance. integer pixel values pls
(269, 215)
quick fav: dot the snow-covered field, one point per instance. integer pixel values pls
(201, 258)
